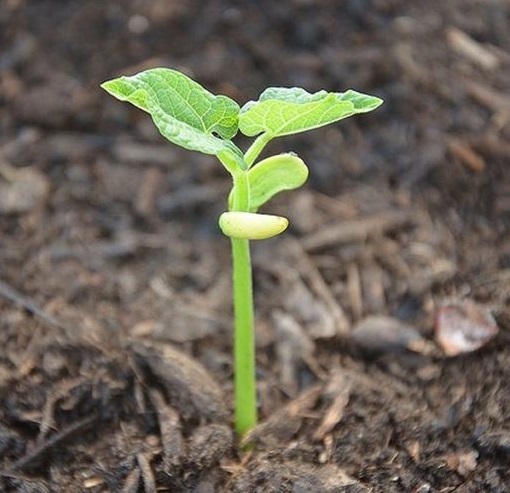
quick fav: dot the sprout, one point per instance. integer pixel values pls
(190, 116)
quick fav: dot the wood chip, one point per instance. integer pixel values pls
(170, 430)
(373, 280)
(321, 290)
(145, 203)
(354, 290)
(149, 482)
(357, 230)
(492, 99)
(132, 482)
(93, 482)
(471, 49)
(293, 346)
(467, 155)
(339, 389)
(308, 309)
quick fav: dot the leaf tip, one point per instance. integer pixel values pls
(108, 86)
(376, 102)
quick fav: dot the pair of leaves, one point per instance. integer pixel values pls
(190, 116)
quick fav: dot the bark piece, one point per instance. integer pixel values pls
(209, 444)
(189, 386)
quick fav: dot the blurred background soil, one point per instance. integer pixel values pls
(383, 315)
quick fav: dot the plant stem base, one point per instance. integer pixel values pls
(244, 339)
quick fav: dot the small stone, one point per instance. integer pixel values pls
(464, 327)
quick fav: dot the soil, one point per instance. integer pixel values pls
(115, 316)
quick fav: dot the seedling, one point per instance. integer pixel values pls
(190, 116)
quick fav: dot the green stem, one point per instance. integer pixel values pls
(256, 148)
(245, 390)
(241, 196)
(244, 339)
(245, 387)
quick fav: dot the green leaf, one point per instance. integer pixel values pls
(284, 111)
(273, 175)
(184, 112)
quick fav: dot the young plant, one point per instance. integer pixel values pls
(190, 116)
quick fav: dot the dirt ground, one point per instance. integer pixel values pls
(115, 316)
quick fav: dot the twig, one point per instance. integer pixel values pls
(321, 288)
(354, 290)
(468, 156)
(149, 482)
(43, 449)
(30, 306)
(339, 390)
(132, 483)
(170, 430)
(47, 422)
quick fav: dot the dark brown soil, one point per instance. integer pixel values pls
(115, 317)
